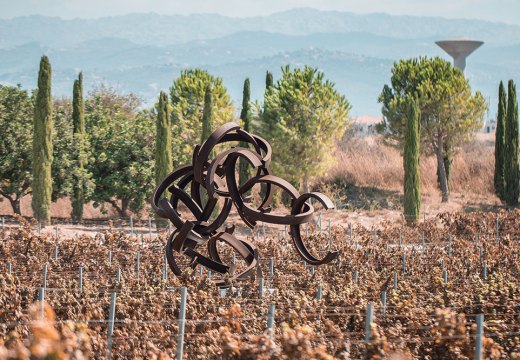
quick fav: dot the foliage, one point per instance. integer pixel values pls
(498, 179)
(122, 143)
(63, 166)
(269, 83)
(83, 185)
(450, 114)
(16, 145)
(207, 115)
(163, 145)
(16, 114)
(245, 117)
(303, 117)
(425, 318)
(412, 184)
(511, 170)
(42, 145)
(187, 97)
(48, 338)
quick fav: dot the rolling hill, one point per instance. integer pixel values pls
(143, 53)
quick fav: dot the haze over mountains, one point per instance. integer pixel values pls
(143, 53)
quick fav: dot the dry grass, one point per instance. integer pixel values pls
(367, 162)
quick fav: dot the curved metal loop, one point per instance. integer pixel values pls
(298, 206)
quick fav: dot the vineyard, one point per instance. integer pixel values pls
(445, 289)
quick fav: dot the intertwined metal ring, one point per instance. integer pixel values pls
(217, 178)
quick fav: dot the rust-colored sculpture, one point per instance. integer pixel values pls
(217, 178)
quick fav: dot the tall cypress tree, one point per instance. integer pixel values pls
(207, 119)
(245, 116)
(42, 145)
(511, 160)
(78, 121)
(207, 115)
(269, 80)
(265, 128)
(412, 186)
(500, 141)
(163, 148)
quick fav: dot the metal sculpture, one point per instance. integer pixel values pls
(216, 177)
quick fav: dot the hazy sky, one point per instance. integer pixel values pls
(495, 10)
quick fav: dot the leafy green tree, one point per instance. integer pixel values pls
(245, 117)
(16, 125)
(500, 140)
(304, 116)
(412, 182)
(187, 96)
(511, 170)
(42, 145)
(450, 114)
(122, 143)
(163, 146)
(82, 185)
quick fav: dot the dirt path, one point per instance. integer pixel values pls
(365, 218)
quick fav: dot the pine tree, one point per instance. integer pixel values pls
(511, 160)
(78, 120)
(42, 145)
(499, 180)
(450, 110)
(245, 116)
(163, 148)
(412, 188)
(269, 80)
(207, 115)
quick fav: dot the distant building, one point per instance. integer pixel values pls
(490, 126)
(364, 125)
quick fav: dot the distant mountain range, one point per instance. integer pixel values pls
(143, 53)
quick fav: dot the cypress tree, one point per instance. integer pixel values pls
(511, 160)
(207, 115)
(163, 148)
(245, 116)
(499, 180)
(412, 187)
(269, 80)
(42, 146)
(265, 127)
(207, 119)
(78, 121)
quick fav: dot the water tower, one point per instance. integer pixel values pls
(459, 49)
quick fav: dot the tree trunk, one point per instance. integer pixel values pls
(443, 182)
(15, 204)
(447, 168)
(304, 187)
(124, 208)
